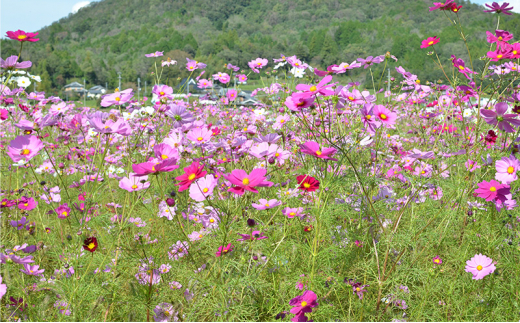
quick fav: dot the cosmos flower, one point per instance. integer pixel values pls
(244, 182)
(255, 235)
(480, 266)
(304, 303)
(437, 260)
(505, 122)
(264, 204)
(24, 147)
(224, 250)
(90, 244)
(313, 148)
(32, 270)
(430, 41)
(156, 54)
(12, 62)
(506, 169)
(191, 173)
(492, 190)
(63, 211)
(499, 8)
(308, 183)
(22, 36)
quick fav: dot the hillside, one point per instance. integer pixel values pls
(113, 35)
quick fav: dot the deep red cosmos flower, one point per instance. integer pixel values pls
(308, 183)
(90, 244)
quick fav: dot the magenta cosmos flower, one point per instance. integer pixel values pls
(264, 204)
(224, 250)
(459, 64)
(162, 91)
(258, 63)
(63, 211)
(245, 182)
(492, 190)
(442, 5)
(191, 173)
(499, 8)
(22, 36)
(27, 203)
(313, 148)
(292, 212)
(437, 260)
(24, 147)
(498, 117)
(155, 166)
(12, 61)
(304, 303)
(231, 95)
(506, 169)
(430, 41)
(480, 266)
(313, 90)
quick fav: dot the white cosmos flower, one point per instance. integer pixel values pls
(298, 72)
(23, 81)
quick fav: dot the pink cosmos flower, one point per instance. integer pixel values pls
(224, 250)
(297, 104)
(498, 117)
(263, 150)
(32, 270)
(385, 116)
(313, 90)
(245, 182)
(162, 91)
(156, 54)
(265, 204)
(203, 188)
(500, 37)
(178, 250)
(4, 114)
(155, 166)
(480, 266)
(12, 62)
(192, 65)
(164, 151)
(203, 84)
(257, 63)
(242, 78)
(255, 235)
(499, 54)
(63, 211)
(108, 125)
(199, 136)
(292, 212)
(117, 98)
(343, 67)
(24, 147)
(313, 148)
(3, 288)
(281, 121)
(437, 260)
(191, 173)
(506, 169)
(22, 36)
(231, 94)
(461, 66)
(430, 41)
(492, 190)
(134, 183)
(471, 165)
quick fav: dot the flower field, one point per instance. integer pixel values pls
(323, 201)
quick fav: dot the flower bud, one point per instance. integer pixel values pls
(170, 201)
(251, 222)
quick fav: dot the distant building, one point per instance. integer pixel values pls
(74, 87)
(96, 92)
(193, 88)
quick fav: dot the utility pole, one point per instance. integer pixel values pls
(119, 88)
(106, 87)
(388, 87)
(187, 89)
(84, 93)
(138, 87)
(145, 88)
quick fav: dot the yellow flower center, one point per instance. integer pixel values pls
(200, 138)
(306, 185)
(383, 116)
(304, 303)
(161, 93)
(493, 189)
(368, 116)
(514, 52)
(499, 56)
(245, 181)
(22, 36)
(64, 213)
(430, 43)
(418, 81)
(461, 67)
(134, 186)
(266, 205)
(205, 190)
(224, 159)
(276, 155)
(312, 88)
(292, 214)
(500, 38)
(118, 99)
(211, 220)
(25, 152)
(351, 98)
(358, 289)
(479, 267)
(191, 177)
(436, 261)
(91, 245)
(318, 153)
(510, 169)
(163, 156)
(282, 121)
(26, 204)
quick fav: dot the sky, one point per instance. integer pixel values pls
(32, 15)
